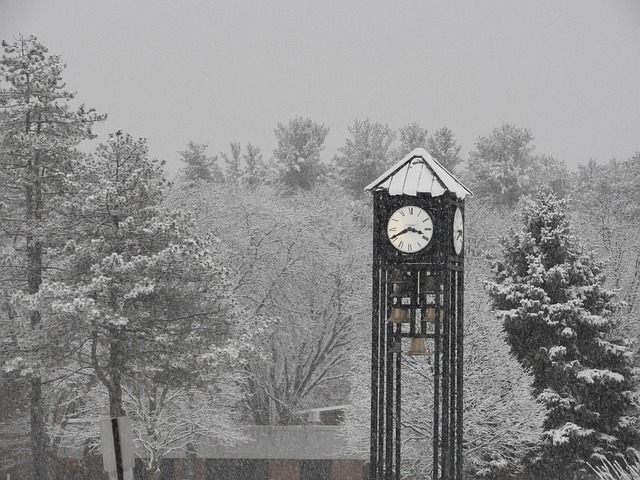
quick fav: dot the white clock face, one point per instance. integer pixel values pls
(458, 231)
(410, 229)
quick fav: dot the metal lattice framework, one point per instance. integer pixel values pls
(438, 265)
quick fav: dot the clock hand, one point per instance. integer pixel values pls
(402, 232)
(406, 230)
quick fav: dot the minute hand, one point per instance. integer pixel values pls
(407, 230)
(402, 232)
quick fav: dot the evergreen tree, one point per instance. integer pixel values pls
(297, 154)
(255, 170)
(233, 171)
(443, 147)
(200, 166)
(364, 157)
(142, 289)
(412, 136)
(505, 167)
(38, 161)
(139, 299)
(559, 323)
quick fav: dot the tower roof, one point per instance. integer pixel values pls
(419, 172)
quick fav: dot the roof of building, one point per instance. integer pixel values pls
(316, 442)
(302, 442)
(419, 172)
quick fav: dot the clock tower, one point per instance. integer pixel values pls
(418, 287)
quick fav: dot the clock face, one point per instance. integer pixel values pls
(410, 229)
(458, 231)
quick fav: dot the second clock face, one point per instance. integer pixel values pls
(458, 231)
(410, 229)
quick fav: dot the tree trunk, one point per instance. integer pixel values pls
(39, 443)
(116, 366)
(190, 463)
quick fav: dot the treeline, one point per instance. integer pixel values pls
(296, 162)
(503, 167)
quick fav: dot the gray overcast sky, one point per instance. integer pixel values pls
(216, 71)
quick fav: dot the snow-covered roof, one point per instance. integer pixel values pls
(416, 173)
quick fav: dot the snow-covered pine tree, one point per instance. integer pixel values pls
(505, 167)
(297, 155)
(39, 133)
(198, 165)
(233, 170)
(412, 136)
(365, 156)
(255, 170)
(559, 322)
(443, 146)
(141, 300)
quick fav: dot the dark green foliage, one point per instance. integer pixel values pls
(559, 322)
